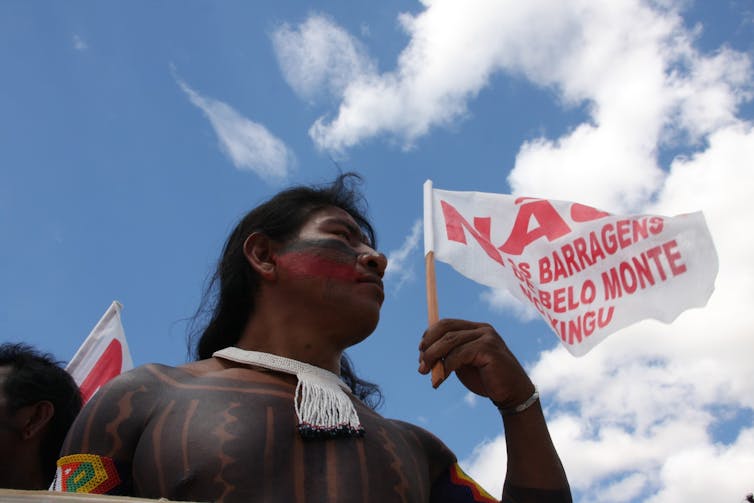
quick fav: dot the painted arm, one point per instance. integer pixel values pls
(485, 365)
(97, 454)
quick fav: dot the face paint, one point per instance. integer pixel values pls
(327, 258)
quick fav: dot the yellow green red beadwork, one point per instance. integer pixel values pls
(86, 473)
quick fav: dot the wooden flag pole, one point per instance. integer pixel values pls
(438, 371)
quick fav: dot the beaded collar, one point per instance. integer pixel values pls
(323, 407)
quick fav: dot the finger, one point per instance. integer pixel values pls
(499, 372)
(441, 327)
(438, 371)
(445, 344)
(433, 356)
(444, 329)
(432, 334)
(464, 355)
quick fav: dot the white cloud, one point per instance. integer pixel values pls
(397, 270)
(456, 47)
(647, 87)
(319, 56)
(687, 476)
(249, 145)
(642, 80)
(436, 73)
(79, 43)
(502, 300)
(626, 488)
(470, 399)
(484, 465)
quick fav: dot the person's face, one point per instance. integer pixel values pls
(334, 262)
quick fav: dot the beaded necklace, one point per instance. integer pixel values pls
(323, 407)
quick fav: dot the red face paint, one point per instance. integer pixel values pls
(313, 263)
(329, 258)
(324, 258)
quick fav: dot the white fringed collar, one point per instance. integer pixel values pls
(323, 407)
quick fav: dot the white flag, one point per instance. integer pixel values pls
(587, 272)
(103, 355)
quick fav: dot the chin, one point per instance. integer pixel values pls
(360, 327)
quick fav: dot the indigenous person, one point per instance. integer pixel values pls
(38, 403)
(262, 416)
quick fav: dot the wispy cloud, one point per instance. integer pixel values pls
(470, 399)
(320, 57)
(397, 272)
(249, 145)
(78, 43)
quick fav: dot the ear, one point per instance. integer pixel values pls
(260, 251)
(35, 418)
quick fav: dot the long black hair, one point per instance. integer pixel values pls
(228, 300)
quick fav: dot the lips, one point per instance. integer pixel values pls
(371, 279)
(374, 280)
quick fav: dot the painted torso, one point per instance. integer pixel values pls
(231, 435)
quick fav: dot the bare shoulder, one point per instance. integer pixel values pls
(141, 384)
(437, 453)
(144, 386)
(428, 439)
(123, 404)
(154, 376)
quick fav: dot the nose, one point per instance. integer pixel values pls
(374, 261)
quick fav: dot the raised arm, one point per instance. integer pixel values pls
(485, 365)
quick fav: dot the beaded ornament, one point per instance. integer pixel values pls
(86, 473)
(323, 408)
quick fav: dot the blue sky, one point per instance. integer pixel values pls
(134, 134)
